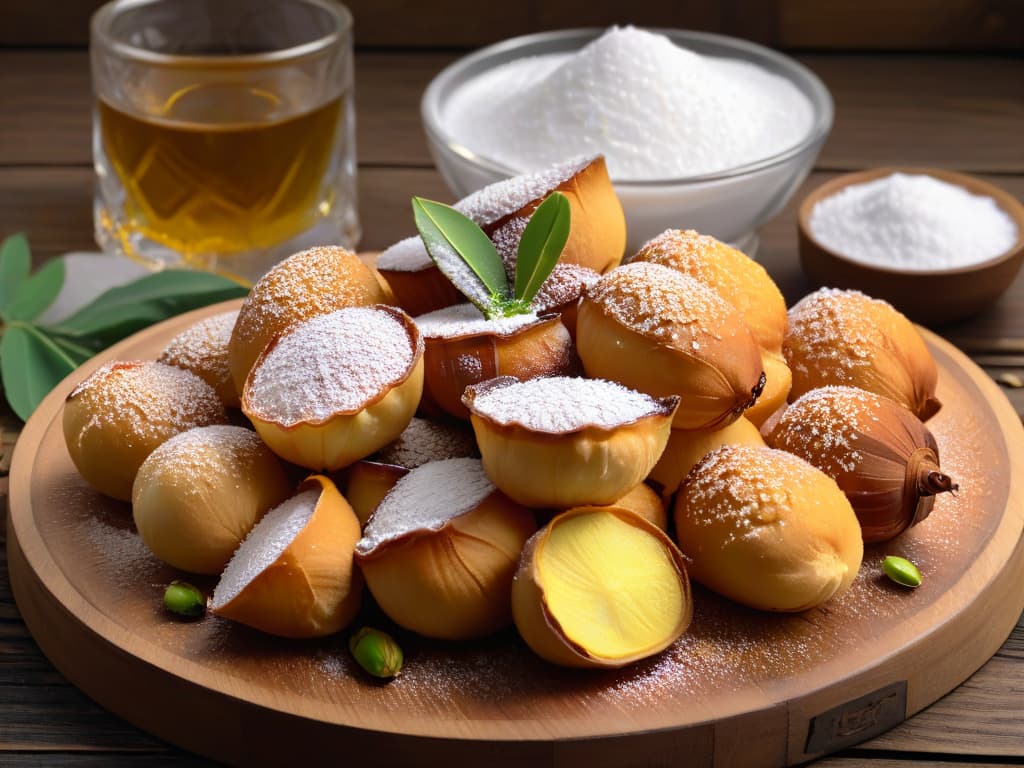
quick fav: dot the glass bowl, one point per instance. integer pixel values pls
(729, 204)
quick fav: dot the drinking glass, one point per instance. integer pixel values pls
(223, 132)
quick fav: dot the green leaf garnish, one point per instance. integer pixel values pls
(465, 254)
(541, 245)
(37, 292)
(15, 264)
(31, 365)
(452, 240)
(127, 308)
(34, 358)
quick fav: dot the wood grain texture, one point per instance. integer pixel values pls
(94, 615)
(52, 89)
(963, 112)
(977, 721)
(40, 758)
(28, 680)
(921, 110)
(26, 722)
(858, 758)
(960, 25)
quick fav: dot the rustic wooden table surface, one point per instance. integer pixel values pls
(962, 112)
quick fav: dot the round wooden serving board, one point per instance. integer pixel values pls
(740, 688)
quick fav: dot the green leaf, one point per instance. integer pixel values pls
(541, 245)
(76, 352)
(31, 365)
(125, 309)
(15, 264)
(451, 239)
(37, 293)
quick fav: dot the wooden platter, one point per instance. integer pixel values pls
(740, 688)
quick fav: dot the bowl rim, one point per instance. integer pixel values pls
(822, 105)
(1006, 202)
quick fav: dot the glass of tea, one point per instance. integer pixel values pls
(224, 131)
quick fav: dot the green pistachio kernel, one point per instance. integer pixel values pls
(183, 599)
(902, 571)
(376, 651)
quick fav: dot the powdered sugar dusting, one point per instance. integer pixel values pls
(153, 400)
(656, 301)
(727, 647)
(460, 274)
(503, 198)
(686, 250)
(564, 285)
(657, 110)
(465, 319)
(742, 488)
(203, 349)
(190, 451)
(303, 285)
(830, 424)
(265, 543)
(336, 363)
(913, 222)
(425, 441)
(487, 207)
(506, 240)
(563, 404)
(409, 255)
(426, 499)
(836, 330)
(738, 279)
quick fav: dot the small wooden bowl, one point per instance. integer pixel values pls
(932, 297)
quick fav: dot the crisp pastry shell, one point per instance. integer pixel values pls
(589, 465)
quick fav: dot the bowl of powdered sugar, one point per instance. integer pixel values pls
(698, 131)
(936, 244)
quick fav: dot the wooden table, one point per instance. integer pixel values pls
(960, 112)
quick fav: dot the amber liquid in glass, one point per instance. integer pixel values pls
(215, 172)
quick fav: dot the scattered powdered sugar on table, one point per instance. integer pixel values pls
(265, 543)
(330, 365)
(465, 319)
(425, 441)
(563, 403)
(426, 499)
(912, 222)
(152, 400)
(654, 300)
(727, 647)
(655, 110)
